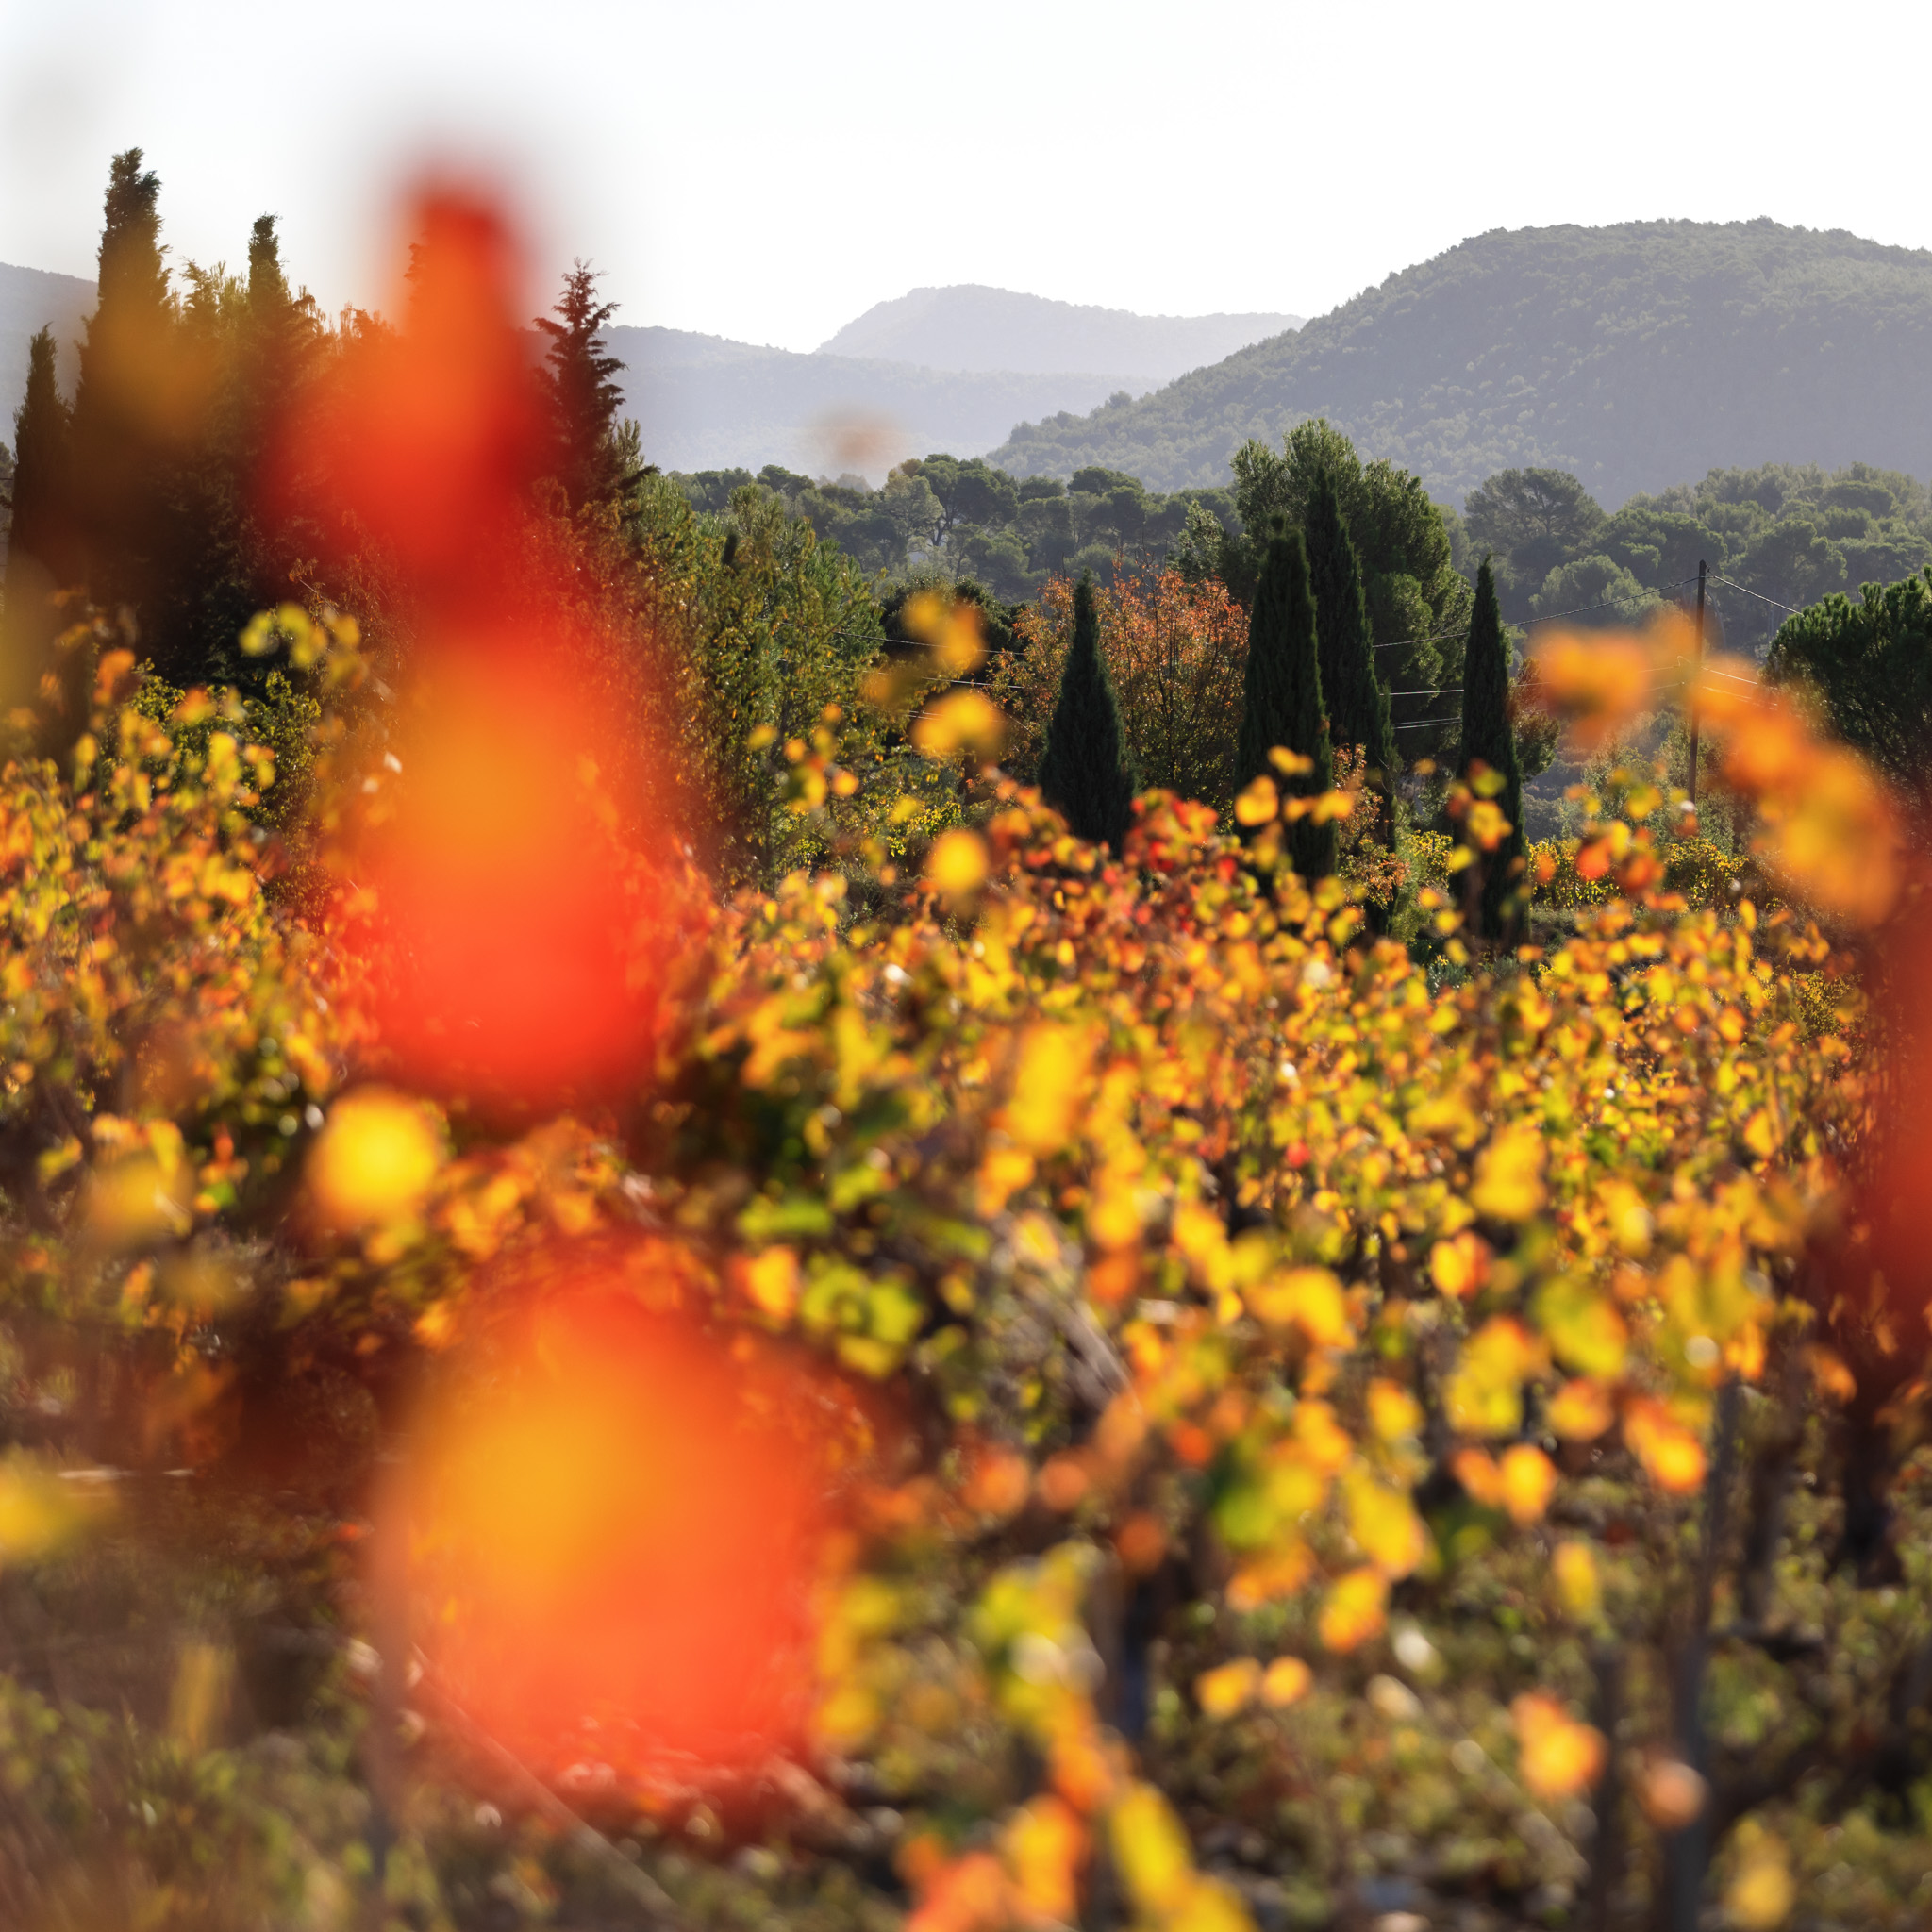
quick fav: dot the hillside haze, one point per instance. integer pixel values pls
(972, 326)
(1633, 355)
(704, 402)
(30, 300)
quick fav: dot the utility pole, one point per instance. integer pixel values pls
(1696, 670)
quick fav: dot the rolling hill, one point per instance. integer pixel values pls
(972, 327)
(1634, 355)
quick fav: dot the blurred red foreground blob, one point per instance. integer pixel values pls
(618, 1528)
(517, 906)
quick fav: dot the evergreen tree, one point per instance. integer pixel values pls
(1487, 736)
(591, 457)
(1086, 771)
(128, 407)
(1281, 699)
(40, 549)
(1357, 705)
(276, 335)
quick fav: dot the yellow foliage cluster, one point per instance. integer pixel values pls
(1205, 1225)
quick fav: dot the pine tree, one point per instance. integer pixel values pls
(1357, 705)
(584, 399)
(1489, 737)
(40, 548)
(1086, 771)
(1281, 699)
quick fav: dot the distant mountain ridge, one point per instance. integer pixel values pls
(707, 403)
(972, 327)
(1633, 355)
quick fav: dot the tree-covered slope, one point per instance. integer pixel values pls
(1632, 355)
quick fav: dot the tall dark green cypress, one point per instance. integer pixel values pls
(124, 461)
(1357, 705)
(41, 557)
(40, 548)
(1086, 771)
(1489, 735)
(1281, 695)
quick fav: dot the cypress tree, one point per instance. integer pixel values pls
(1487, 736)
(1357, 705)
(1086, 770)
(42, 556)
(1281, 696)
(39, 550)
(125, 400)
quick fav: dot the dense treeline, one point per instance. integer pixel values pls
(1009, 536)
(1791, 534)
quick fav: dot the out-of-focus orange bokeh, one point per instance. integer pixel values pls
(510, 895)
(619, 1526)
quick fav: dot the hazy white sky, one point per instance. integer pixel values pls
(768, 168)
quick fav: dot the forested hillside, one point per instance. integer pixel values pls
(974, 328)
(1633, 355)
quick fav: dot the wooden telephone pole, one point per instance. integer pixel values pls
(1696, 669)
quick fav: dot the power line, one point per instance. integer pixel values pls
(1547, 616)
(1773, 601)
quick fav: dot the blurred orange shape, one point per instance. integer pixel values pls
(618, 1524)
(1460, 1266)
(1356, 1609)
(1476, 1471)
(1559, 1756)
(375, 1160)
(1529, 1479)
(1045, 1844)
(1384, 1523)
(436, 432)
(771, 1281)
(998, 1483)
(1259, 804)
(964, 720)
(1580, 1410)
(1508, 1178)
(1142, 1543)
(1063, 1482)
(956, 865)
(1286, 1681)
(1574, 1567)
(1599, 683)
(1671, 1793)
(1672, 1457)
(1269, 1579)
(1050, 1081)
(1229, 1687)
(1309, 1298)
(1761, 1894)
(523, 944)
(1393, 1413)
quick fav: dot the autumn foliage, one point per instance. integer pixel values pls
(989, 1384)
